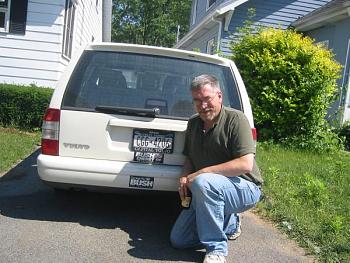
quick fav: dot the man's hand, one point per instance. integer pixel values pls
(183, 187)
(187, 168)
(185, 181)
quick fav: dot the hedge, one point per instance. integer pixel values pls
(23, 107)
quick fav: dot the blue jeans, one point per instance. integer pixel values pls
(215, 201)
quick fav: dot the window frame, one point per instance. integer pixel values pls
(96, 5)
(211, 46)
(6, 11)
(210, 3)
(194, 14)
(91, 62)
(68, 29)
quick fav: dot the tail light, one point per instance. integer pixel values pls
(254, 134)
(50, 132)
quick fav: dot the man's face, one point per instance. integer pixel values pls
(207, 102)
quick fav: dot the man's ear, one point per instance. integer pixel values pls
(220, 95)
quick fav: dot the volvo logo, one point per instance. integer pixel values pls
(76, 146)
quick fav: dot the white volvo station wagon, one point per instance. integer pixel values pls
(118, 116)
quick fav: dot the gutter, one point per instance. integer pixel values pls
(226, 8)
(319, 18)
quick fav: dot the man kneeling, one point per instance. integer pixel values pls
(219, 171)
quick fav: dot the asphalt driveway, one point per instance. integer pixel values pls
(38, 224)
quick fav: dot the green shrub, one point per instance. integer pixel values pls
(23, 107)
(291, 83)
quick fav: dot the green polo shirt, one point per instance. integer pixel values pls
(230, 138)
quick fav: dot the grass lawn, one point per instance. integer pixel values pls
(14, 146)
(308, 195)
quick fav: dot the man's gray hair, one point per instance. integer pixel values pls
(202, 80)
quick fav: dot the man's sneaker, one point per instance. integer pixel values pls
(236, 234)
(212, 258)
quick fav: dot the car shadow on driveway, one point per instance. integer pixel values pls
(146, 219)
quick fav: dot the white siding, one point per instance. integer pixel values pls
(36, 57)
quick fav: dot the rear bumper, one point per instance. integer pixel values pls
(103, 173)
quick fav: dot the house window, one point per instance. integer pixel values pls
(211, 46)
(13, 16)
(4, 15)
(68, 29)
(210, 3)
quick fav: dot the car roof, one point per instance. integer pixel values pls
(159, 51)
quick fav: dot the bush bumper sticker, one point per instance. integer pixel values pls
(141, 182)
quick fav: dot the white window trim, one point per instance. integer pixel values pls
(194, 15)
(7, 16)
(96, 5)
(346, 76)
(346, 83)
(65, 52)
(210, 46)
(208, 7)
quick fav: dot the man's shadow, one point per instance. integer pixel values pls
(146, 218)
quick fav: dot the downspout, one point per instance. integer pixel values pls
(346, 78)
(219, 33)
(228, 16)
(106, 20)
(346, 103)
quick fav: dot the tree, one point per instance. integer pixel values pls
(150, 22)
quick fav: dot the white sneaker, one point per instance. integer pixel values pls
(212, 258)
(236, 234)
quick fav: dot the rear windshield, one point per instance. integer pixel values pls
(142, 81)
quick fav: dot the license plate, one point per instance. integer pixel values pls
(141, 182)
(153, 141)
(146, 157)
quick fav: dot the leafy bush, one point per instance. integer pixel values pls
(291, 84)
(23, 107)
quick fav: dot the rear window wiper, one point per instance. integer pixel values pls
(128, 111)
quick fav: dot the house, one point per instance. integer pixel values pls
(330, 25)
(39, 37)
(214, 24)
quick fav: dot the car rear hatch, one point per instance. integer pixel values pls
(133, 107)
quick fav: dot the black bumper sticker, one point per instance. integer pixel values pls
(141, 182)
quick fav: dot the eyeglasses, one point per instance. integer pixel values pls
(205, 101)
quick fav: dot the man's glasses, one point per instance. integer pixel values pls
(205, 101)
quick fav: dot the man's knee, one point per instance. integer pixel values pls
(207, 182)
(201, 182)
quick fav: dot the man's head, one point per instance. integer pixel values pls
(207, 97)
